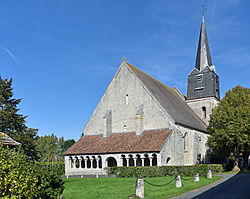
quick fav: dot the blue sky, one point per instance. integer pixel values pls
(62, 54)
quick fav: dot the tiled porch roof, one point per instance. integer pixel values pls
(149, 141)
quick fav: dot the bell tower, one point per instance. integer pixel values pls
(203, 92)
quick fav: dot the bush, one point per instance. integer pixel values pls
(161, 171)
(58, 167)
(21, 178)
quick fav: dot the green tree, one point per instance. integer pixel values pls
(13, 123)
(229, 125)
(67, 144)
(22, 178)
(47, 146)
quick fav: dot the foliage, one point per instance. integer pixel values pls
(13, 123)
(51, 148)
(161, 171)
(67, 144)
(229, 125)
(47, 147)
(58, 166)
(119, 188)
(21, 178)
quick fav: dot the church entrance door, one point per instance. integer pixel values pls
(111, 162)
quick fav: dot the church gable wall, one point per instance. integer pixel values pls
(132, 107)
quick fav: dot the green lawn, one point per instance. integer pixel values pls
(118, 188)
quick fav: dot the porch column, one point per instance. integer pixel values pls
(142, 162)
(97, 162)
(91, 163)
(150, 161)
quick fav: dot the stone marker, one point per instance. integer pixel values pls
(196, 177)
(81, 176)
(209, 174)
(67, 177)
(97, 176)
(178, 181)
(139, 188)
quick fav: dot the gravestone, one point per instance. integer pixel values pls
(139, 188)
(196, 177)
(209, 174)
(178, 181)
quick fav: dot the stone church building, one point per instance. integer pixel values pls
(140, 121)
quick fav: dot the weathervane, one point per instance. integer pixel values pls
(203, 8)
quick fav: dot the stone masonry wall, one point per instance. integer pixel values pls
(124, 116)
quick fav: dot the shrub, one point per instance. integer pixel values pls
(58, 166)
(161, 171)
(21, 178)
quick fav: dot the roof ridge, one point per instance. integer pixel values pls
(150, 76)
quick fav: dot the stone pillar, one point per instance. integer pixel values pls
(91, 163)
(139, 188)
(73, 162)
(85, 163)
(178, 181)
(127, 159)
(196, 177)
(142, 162)
(150, 161)
(135, 160)
(209, 174)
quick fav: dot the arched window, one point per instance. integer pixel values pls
(99, 162)
(77, 162)
(82, 163)
(94, 162)
(204, 112)
(88, 162)
(138, 160)
(124, 161)
(131, 161)
(124, 128)
(154, 160)
(126, 99)
(146, 160)
(186, 142)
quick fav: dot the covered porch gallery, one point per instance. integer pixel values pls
(92, 153)
(90, 162)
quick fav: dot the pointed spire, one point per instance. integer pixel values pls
(203, 57)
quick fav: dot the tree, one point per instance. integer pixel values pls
(13, 123)
(229, 127)
(47, 147)
(22, 178)
(67, 144)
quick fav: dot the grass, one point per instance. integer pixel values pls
(121, 188)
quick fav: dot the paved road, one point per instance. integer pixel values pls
(233, 186)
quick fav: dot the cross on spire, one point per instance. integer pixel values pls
(203, 9)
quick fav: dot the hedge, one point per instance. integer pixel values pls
(58, 167)
(160, 171)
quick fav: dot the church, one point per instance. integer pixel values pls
(140, 121)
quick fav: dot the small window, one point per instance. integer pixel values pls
(204, 112)
(126, 99)
(199, 77)
(124, 128)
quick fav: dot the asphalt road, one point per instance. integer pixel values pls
(233, 186)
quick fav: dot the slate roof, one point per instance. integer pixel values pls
(7, 140)
(203, 57)
(170, 101)
(149, 141)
